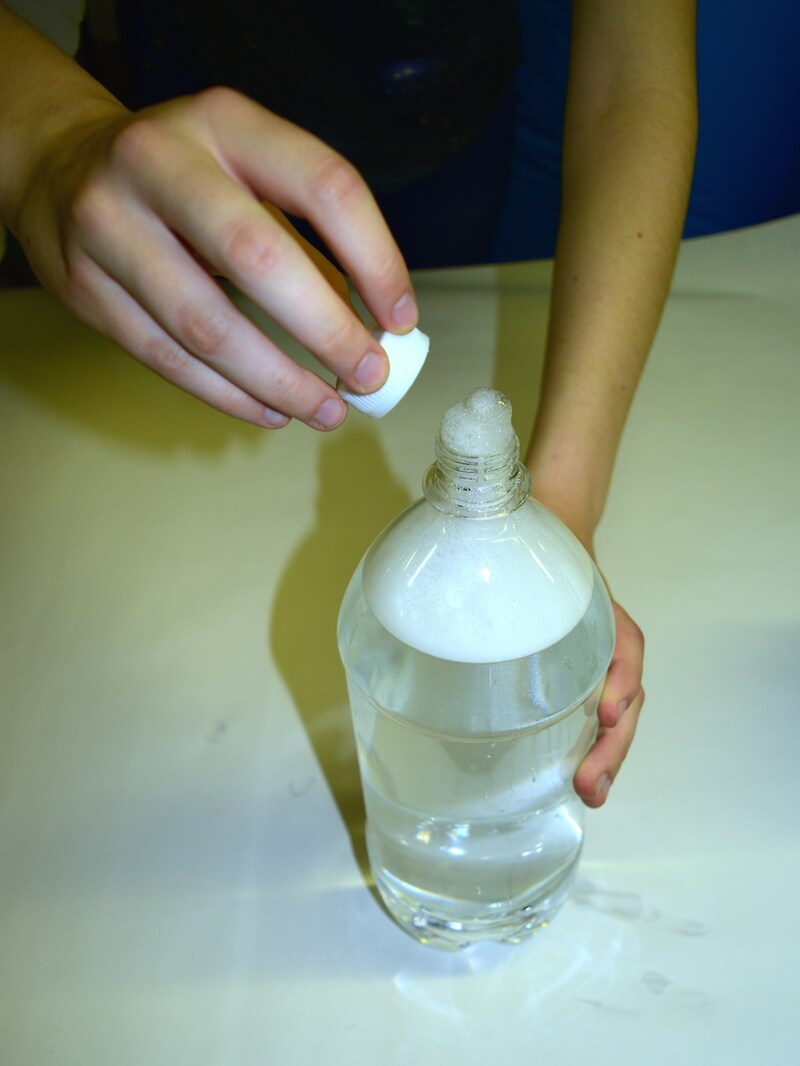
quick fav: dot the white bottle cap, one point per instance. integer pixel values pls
(406, 353)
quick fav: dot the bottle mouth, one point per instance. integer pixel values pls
(476, 486)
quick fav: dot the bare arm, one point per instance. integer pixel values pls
(628, 154)
(629, 141)
(42, 93)
(126, 218)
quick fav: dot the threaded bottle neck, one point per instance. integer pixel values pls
(477, 486)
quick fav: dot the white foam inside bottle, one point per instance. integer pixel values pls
(477, 591)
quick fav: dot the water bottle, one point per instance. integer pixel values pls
(475, 634)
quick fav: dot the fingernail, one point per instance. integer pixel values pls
(329, 413)
(404, 312)
(603, 785)
(371, 371)
(274, 419)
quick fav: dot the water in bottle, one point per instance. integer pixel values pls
(475, 634)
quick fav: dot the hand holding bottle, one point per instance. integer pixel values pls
(623, 696)
(618, 713)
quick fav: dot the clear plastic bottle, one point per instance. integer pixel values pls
(475, 634)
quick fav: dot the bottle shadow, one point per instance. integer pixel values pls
(358, 495)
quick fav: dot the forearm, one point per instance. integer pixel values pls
(42, 93)
(628, 154)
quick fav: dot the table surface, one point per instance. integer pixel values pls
(181, 850)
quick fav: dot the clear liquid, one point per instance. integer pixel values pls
(473, 827)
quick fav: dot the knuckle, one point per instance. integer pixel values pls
(91, 210)
(296, 392)
(334, 182)
(204, 331)
(632, 632)
(286, 392)
(231, 400)
(219, 102)
(166, 357)
(338, 335)
(385, 272)
(249, 247)
(137, 144)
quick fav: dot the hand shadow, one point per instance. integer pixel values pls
(358, 495)
(70, 370)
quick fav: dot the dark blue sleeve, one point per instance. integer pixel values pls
(748, 155)
(748, 159)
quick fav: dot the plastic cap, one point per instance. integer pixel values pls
(406, 353)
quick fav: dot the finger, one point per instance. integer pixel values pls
(107, 307)
(334, 277)
(187, 303)
(319, 185)
(226, 225)
(232, 231)
(624, 679)
(596, 773)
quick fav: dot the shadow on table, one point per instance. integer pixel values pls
(519, 343)
(357, 496)
(84, 377)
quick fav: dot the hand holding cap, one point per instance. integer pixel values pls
(406, 353)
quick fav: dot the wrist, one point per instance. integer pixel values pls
(574, 517)
(47, 104)
(58, 141)
(570, 485)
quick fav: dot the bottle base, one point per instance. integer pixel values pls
(453, 926)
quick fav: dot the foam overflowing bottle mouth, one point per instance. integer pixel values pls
(477, 472)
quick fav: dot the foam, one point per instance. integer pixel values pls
(485, 590)
(478, 591)
(479, 426)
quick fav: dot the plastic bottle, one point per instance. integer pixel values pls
(475, 633)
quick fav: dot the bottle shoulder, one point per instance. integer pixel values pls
(478, 590)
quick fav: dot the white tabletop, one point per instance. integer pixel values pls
(180, 840)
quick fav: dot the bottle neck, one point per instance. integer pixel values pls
(483, 486)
